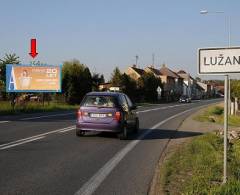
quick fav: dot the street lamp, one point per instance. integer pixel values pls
(227, 94)
(228, 22)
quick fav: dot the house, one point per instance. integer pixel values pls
(200, 92)
(213, 88)
(220, 90)
(207, 89)
(154, 71)
(134, 72)
(172, 83)
(191, 88)
(104, 86)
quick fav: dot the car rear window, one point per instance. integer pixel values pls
(99, 101)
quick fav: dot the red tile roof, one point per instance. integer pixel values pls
(155, 71)
(138, 70)
(166, 71)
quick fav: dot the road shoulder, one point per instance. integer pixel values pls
(191, 125)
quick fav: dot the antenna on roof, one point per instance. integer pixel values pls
(153, 60)
(136, 60)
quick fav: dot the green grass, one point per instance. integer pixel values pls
(5, 107)
(196, 168)
(215, 114)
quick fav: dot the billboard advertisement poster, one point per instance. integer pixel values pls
(28, 78)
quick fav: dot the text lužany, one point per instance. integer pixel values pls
(221, 60)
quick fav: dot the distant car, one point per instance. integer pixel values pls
(107, 112)
(185, 99)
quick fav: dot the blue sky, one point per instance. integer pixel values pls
(108, 33)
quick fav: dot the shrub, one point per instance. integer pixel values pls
(217, 110)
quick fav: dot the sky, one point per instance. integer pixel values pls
(104, 34)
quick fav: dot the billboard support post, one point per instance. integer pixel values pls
(225, 129)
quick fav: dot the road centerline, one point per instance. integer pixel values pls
(46, 116)
(23, 142)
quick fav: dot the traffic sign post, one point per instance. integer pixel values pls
(225, 140)
(221, 61)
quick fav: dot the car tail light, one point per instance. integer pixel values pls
(79, 114)
(118, 116)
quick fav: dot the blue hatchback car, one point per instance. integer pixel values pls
(107, 112)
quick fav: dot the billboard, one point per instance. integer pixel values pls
(219, 60)
(29, 78)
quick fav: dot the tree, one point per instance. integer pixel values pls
(116, 77)
(148, 84)
(96, 80)
(129, 86)
(7, 59)
(77, 81)
(235, 88)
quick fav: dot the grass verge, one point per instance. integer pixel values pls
(30, 107)
(196, 168)
(215, 114)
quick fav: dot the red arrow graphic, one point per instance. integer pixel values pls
(33, 52)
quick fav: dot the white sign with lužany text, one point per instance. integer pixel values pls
(219, 60)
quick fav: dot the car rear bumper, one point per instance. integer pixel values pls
(112, 127)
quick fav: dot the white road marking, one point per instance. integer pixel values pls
(161, 108)
(66, 130)
(4, 122)
(20, 143)
(172, 106)
(47, 116)
(25, 140)
(95, 181)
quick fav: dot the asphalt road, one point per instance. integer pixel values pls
(40, 154)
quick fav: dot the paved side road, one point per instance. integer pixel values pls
(58, 162)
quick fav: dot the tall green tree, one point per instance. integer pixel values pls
(148, 85)
(77, 81)
(235, 88)
(129, 87)
(7, 59)
(116, 78)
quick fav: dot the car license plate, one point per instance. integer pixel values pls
(95, 115)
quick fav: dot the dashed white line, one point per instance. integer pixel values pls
(47, 116)
(20, 143)
(25, 140)
(4, 122)
(66, 130)
(161, 108)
